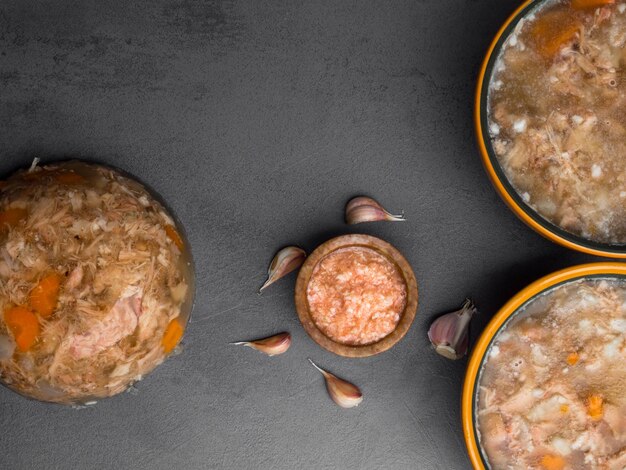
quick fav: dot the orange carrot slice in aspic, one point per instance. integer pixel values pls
(172, 335)
(595, 406)
(45, 295)
(552, 462)
(24, 326)
(572, 358)
(174, 236)
(588, 4)
(11, 217)
(69, 177)
(552, 31)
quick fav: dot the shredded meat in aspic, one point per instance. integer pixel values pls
(552, 392)
(356, 295)
(95, 282)
(557, 115)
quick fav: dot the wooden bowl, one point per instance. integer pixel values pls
(381, 247)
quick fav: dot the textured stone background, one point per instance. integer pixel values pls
(257, 121)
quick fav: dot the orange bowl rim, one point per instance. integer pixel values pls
(511, 307)
(544, 229)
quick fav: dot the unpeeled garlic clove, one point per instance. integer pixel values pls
(272, 345)
(449, 333)
(285, 261)
(365, 209)
(343, 393)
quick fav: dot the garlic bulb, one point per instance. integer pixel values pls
(449, 333)
(272, 345)
(285, 261)
(343, 393)
(365, 209)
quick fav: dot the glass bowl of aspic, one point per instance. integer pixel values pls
(96, 282)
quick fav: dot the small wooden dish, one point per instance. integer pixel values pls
(383, 248)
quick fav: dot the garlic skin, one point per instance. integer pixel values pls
(286, 260)
(272, 345)
(33, 165)
(449, 333)
(343, 393)
(365, 209)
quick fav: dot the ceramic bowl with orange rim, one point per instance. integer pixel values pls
(514, 310)
(356, 295)
(508, 193)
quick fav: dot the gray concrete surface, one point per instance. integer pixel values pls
(257, 121)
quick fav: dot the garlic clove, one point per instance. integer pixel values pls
(343, 393)
(449, 333)
(272, 345)
(285, 261)
(365, 209)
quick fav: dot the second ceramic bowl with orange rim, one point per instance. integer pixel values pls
(611, 270)
(496, 174)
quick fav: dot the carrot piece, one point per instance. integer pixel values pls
(588, 4)
(11, 217)
(45, 295)
(595, 407)
(24, 325)
(564, 408)
(69, 177)
(552, 462)
(171, 337)
(31, 175)
(572, 358)
(552, 31)
(173, 235)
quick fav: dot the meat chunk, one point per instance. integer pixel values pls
(120, 322)
(75, 278)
